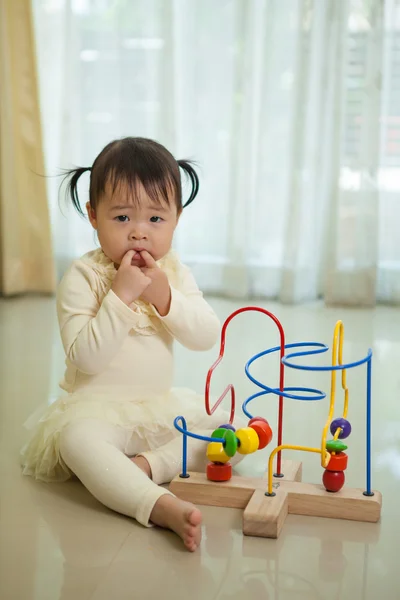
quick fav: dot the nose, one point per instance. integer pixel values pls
(138, 232)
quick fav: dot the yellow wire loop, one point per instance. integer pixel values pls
(337, 359)
(286, 447)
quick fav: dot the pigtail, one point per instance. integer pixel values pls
(71, 192)
(190, 172)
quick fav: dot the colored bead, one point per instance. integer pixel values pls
(219, 433)
(338, 462)
(219, 472)
(248, 440)
(333, 480)
(335, 446)
(227, 426)
(216, 453)
(230, 443)
(344, 425)
(263, 431)
(256, 419)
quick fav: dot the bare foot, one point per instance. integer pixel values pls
(142, 463)
(180, 516)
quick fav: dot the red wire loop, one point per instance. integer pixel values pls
(231, 388)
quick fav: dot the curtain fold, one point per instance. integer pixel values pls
(291, 109)
(26, 258)
(354, 251)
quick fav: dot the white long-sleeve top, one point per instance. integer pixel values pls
(110, 345)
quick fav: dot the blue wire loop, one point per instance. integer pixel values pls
(196, 436)
(304, 394)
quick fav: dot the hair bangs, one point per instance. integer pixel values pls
(124, 166)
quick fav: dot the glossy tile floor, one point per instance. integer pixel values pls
(57, 542)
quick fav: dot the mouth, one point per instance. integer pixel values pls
(137, 256)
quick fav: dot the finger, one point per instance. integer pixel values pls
(127, 258)
(149, 260)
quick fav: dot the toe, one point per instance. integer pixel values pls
(194, 517)
(191, 544)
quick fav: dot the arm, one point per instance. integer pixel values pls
(91, 334)
(190, 319)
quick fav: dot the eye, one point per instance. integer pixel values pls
(156, 219)
(122, 218)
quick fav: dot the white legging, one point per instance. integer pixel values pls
(98, 454)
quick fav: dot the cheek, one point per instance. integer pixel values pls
(166, 237)
(169, 231)
(108, 237)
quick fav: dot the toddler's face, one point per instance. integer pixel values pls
(123, 224)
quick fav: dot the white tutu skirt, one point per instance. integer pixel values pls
(151, 418)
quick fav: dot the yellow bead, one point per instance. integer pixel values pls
(248, 439)
(216, 453)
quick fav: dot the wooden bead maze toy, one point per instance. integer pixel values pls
(266, 501)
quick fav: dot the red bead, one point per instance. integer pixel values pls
(219, 472)
(256, 419)
(338, 462)
(264, 432)
(333, 480)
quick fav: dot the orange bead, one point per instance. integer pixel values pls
(264, 432)
(338, 462)
(219, 472)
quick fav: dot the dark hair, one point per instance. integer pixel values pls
(131, 160)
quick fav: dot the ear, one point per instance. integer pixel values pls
(92, 215)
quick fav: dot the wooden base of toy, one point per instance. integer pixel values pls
(264, 516)
(235, 493)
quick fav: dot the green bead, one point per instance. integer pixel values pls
(230, 440)
(335, 446)
(219, 433)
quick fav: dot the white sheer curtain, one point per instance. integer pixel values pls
(290, 107)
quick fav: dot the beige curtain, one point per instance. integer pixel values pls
(26, 257)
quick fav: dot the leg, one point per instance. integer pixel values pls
(142, 463)
(171, 512)
(96, 452)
